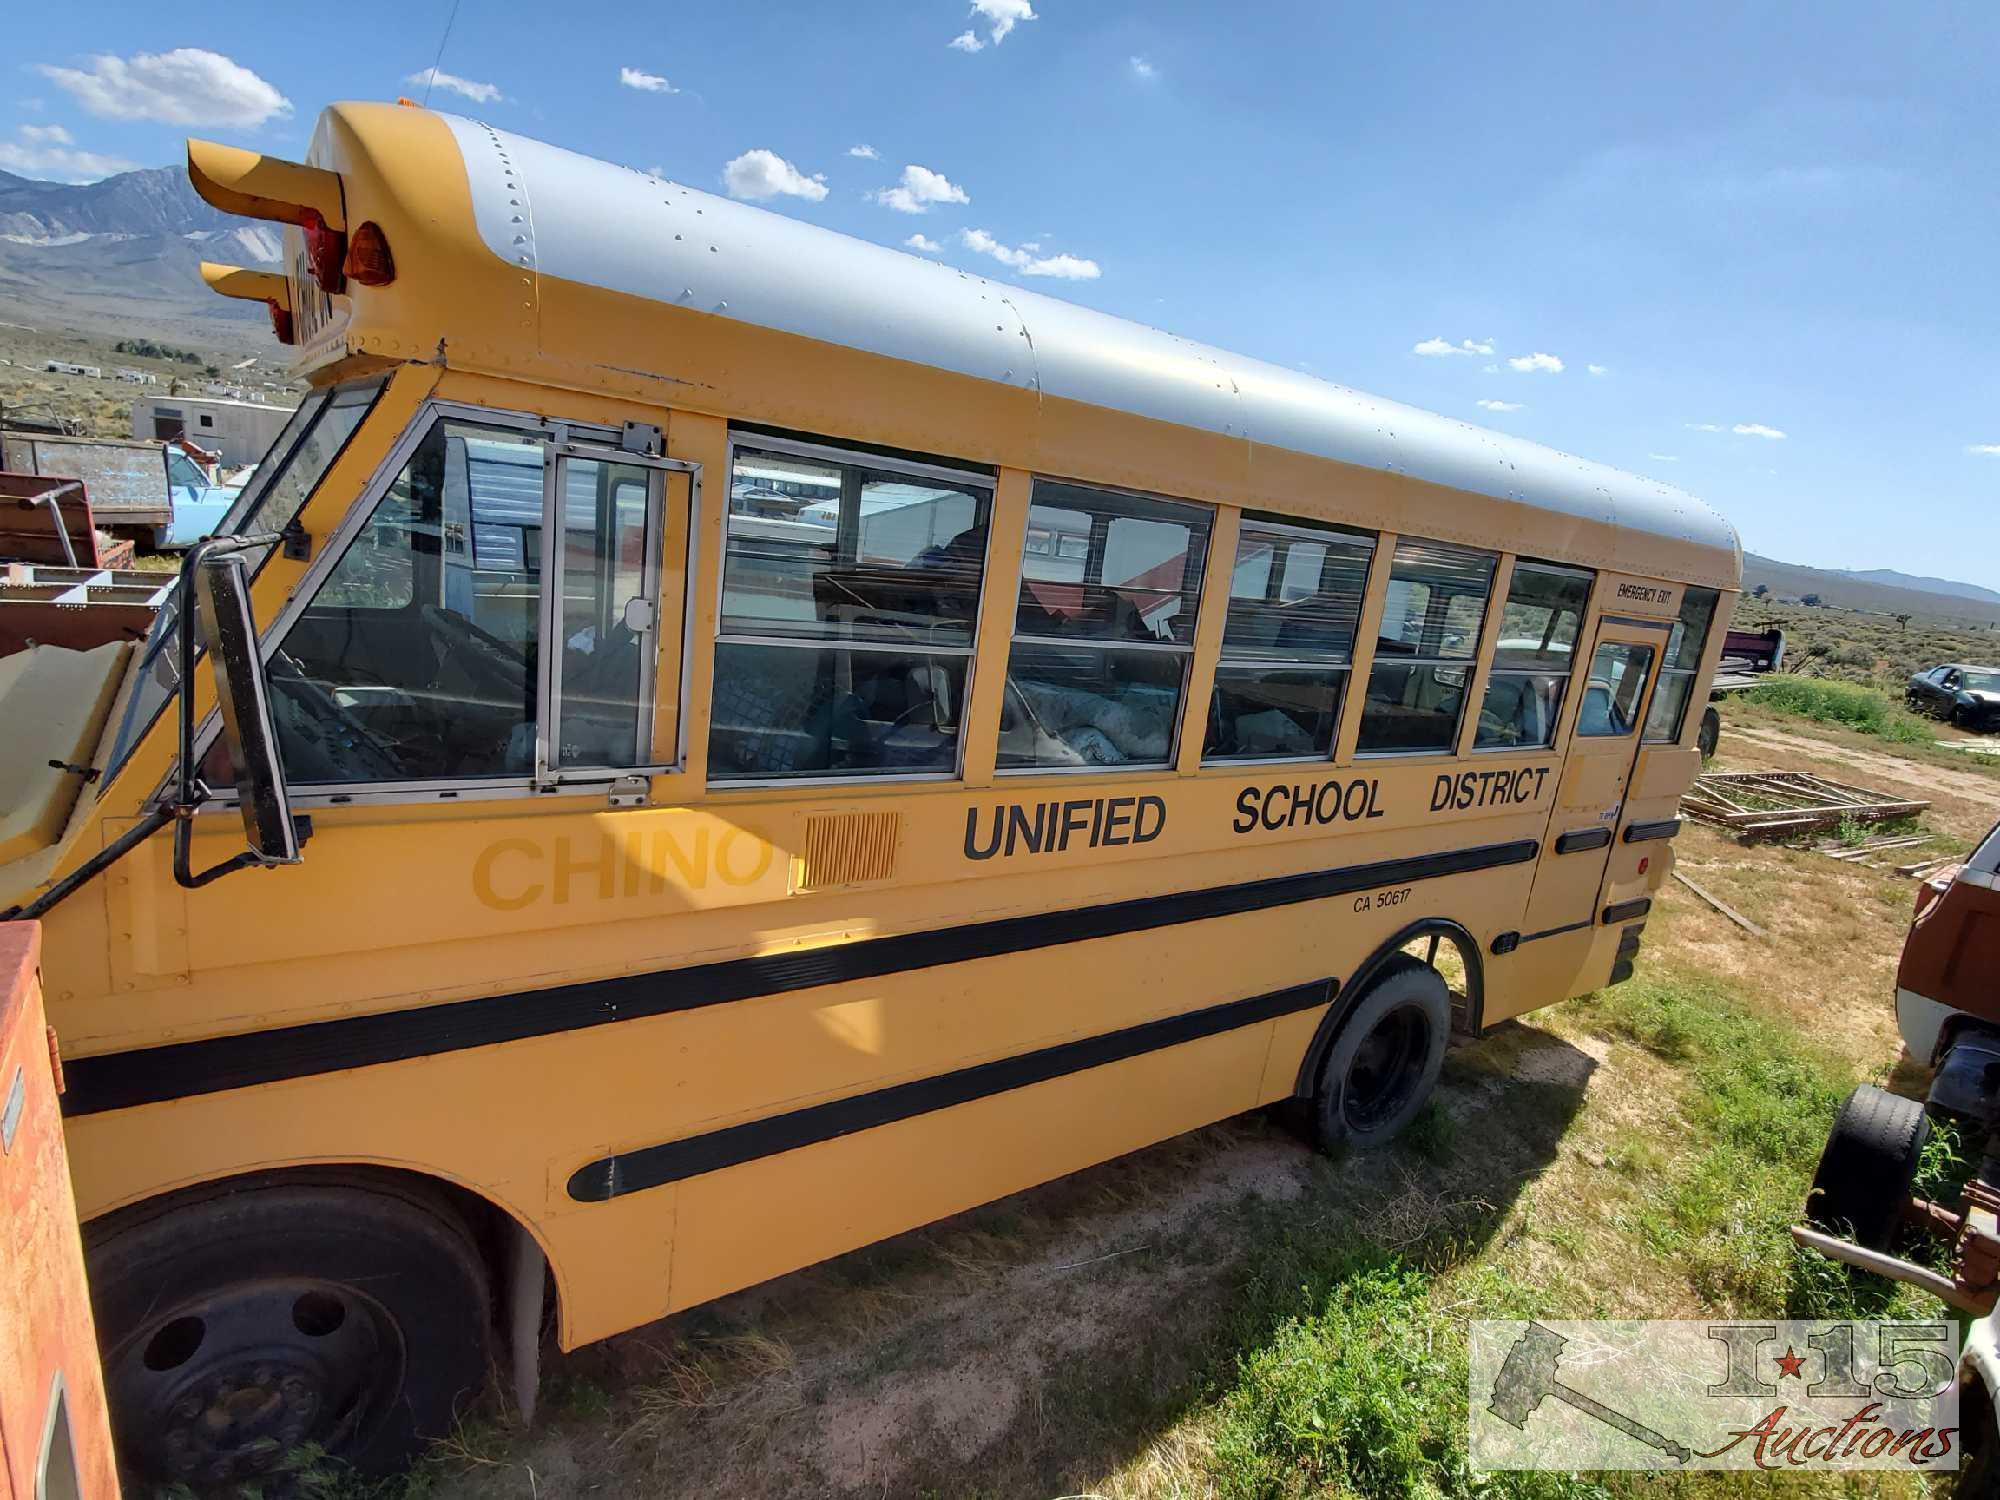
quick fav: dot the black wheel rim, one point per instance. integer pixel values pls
(1386, 1068)
(221, 1389)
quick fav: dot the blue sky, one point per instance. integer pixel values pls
(1753, 220)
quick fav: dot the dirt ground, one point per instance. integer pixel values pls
(1064, 1341)
(1955, 791)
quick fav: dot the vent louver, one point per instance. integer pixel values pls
(843, 849)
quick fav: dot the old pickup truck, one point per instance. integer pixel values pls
(152, 493)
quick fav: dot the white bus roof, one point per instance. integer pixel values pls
(588, 221)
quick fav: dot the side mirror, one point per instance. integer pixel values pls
(222, 606)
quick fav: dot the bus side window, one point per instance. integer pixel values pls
(1533, 657)
(850, 593)
(1684, 647)
(1103, 630)
(1612, 692)
(419, 658)
(1294, 603)
(416, 660)
(1424, 648)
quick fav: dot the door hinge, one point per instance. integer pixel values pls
(644, 439)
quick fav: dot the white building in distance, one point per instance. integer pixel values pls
(241, 431)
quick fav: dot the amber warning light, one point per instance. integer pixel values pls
(368, 259)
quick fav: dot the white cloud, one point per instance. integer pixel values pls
(919, 242)
(451, 83)
(865, 153)
(1001, 17)
(1438, 348)
(1755, 429)
(187, 86)
(1989, 450)
(1664, 458)
(1705, 427)
(765, 174)
(1537, 361)
(1490, 405)
(48, 152)
(1597, 369)
(919, 189)
(1143, 69)
(645, 83)
(1023, 258)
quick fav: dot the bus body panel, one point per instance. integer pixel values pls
(567, 1007)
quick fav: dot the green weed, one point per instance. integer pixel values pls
(1855, 707)
(1433, 1135)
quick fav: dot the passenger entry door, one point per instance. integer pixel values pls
(601, 565)
(1597, 774)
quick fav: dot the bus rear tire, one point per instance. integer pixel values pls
(1384, 1062)
(1866, 1169)
(242, 1327)
(1709, 735)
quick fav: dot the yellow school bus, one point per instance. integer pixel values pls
(722, 743)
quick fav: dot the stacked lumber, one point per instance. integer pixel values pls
(1863, 853)
(1759, 805)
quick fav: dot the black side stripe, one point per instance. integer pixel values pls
(1642, 833)
(1582, 838)
(654, 1166)
(1625, 911)
(151, 1075)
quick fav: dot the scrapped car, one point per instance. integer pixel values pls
(1969, 696)
(1861, 1204)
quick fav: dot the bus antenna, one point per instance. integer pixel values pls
(438, 62)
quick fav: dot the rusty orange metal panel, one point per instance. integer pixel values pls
(54, 1436)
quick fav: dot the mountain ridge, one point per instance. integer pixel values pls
(1920, 581)
(122, 253)
(1847, 590)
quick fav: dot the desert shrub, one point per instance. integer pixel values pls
(1842, 703)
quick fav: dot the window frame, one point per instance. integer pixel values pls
(549, 666)
(1634, 732)
(559, 438)
(972, 476)
(1170, 766)
(1693, 674)
(1475, 661)
(129, 734)
(1296, 529)
(1492, 667)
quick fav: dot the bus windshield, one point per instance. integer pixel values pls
(290, 472)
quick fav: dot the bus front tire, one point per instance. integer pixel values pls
(241, 1328)
(1384, 1062)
